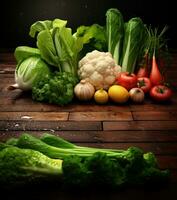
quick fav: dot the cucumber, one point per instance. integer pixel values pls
(23, 52)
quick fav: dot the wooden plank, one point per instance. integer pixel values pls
(30, 105)
(50, 125)
(34, 116)
(100, 116)
(16, 104)
(9, 97)
(167, 161)
(101, 136)
(140, 125)
(7, 68)
(152, 106)
(155, 115)
(6, 75)
(6, 81)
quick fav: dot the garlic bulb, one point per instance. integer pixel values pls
(84, 90)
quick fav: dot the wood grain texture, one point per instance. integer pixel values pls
(153, 106)
(34, 116)
(16, 100)
(155, 115)
(140, 125)
(7, 68)
(100, 116)
(50, 125)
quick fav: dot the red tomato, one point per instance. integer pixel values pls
(127, 80)
(145, 84)
(160, 93)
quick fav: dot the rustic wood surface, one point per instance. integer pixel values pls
(151, 126)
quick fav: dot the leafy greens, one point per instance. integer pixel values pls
(135, 35)
(115, 32)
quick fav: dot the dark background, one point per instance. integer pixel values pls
(17, 16)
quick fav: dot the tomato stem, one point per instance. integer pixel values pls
(141, 83)
(160, 90)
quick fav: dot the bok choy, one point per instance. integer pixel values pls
(46, 25)
(135, 35)
(115, 32)
(57, 45)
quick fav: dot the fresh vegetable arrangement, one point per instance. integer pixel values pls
(28, 159)
(95, 62)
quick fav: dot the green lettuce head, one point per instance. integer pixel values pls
(29, 71)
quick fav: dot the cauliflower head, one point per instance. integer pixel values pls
(98, 68)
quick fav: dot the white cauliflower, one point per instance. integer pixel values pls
(99, 68)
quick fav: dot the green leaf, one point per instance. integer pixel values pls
(135, 33)
(59, 23)
(91, 37)
(46, 25)
(67, 42)
(47, 48)
(115, 32)
(40, 26)
(23, 52)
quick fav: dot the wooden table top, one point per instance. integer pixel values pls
(150, 126)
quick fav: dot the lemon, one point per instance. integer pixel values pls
(118, 94)
(101, 96)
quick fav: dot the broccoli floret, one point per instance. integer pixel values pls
(98, 170)
(106, 171)
(75, 172)
(150, 159)
(155, 175)
(151, 172)
(18, 166)
(56, 88)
